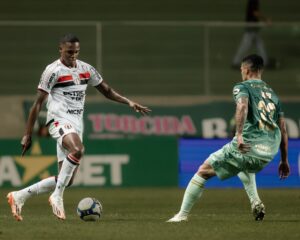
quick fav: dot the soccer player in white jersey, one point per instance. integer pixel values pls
(63, 84)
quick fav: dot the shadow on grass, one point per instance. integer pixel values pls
(284, 220)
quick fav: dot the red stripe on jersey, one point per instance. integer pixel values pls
(84, 76)
(65, 78)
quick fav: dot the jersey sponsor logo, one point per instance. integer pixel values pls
(75, 95)
(75, 111)
(94, 71)
(68, 126)
(262, 148)
(236, 91)
(50, 80)
(61, 132)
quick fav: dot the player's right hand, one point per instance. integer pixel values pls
(139, 108)
(26, 144)
(242, 147)
(283, 169)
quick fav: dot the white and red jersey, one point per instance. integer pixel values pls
(66, 87)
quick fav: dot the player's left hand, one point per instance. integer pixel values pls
(26, 144)
(139, 108)
(242, 147)
(283, 170)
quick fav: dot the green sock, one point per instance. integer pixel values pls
(192, 193)
(248, 179)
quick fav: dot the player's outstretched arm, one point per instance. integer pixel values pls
(111, 94)
(284, 168)
(33, 114)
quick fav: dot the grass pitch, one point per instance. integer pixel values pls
(132, 213)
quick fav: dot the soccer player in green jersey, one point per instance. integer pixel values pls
(260, 132)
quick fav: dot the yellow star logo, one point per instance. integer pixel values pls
(35, 165)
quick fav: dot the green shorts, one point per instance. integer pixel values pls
(228, 162)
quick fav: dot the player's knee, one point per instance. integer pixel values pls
(205, 171)
(78, 152)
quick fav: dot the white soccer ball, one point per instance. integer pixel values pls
(89, 209)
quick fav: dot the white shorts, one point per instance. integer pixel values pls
(59, 129)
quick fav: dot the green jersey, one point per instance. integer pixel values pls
(260, 130)
(261, 126)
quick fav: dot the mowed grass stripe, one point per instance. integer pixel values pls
(133, 213)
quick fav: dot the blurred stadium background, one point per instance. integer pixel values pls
(174, 56)
(181, 51)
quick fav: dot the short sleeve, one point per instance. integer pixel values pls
(238, 91)
(96, 78)
(47, 81)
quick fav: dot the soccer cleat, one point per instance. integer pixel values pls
(16, 203)
(57, 205)
(258, 210)
(178, 218)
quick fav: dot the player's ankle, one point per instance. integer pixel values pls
(183, 213)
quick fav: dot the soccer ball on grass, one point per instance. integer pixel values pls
(89, 209)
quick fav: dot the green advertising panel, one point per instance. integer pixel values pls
(109, 163)
(209, 120)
